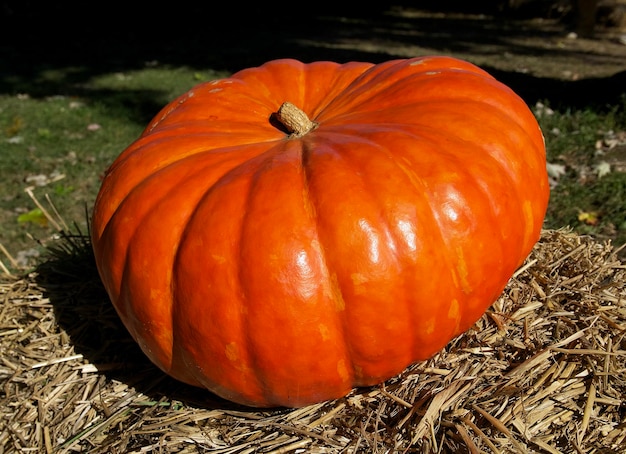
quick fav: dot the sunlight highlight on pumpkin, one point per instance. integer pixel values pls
(408, 234)
(372, 241)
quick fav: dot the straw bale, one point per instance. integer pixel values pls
(544, 370)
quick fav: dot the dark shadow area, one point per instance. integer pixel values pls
(78, 42)
(57, 48)
(69, 279)
(598, 93)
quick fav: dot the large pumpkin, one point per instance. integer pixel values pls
(280, 254)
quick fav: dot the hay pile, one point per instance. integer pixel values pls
(543, 371)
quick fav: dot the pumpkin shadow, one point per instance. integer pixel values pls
(68, 277)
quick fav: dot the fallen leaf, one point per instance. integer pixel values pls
(15, 139)
(588, 217)
(603, 168)
(34, 216)
(555, 170)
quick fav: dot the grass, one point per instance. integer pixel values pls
(586, 197)
(60, 145)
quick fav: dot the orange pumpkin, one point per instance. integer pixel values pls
(280, 256)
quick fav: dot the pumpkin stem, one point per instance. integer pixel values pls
(294, 120)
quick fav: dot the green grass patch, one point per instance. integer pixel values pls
(60, 144)
(590, 145)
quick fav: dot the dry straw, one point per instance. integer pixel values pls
(543, 371)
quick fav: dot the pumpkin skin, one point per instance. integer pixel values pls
(276, 270)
